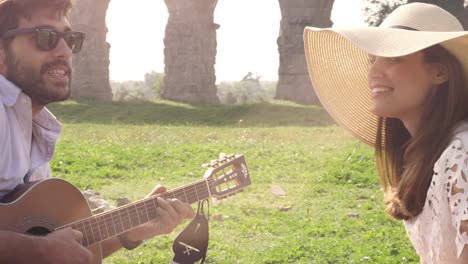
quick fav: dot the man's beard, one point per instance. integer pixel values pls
(32, 82)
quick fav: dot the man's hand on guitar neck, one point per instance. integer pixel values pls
(171, 211)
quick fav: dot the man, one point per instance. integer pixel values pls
(36, 47)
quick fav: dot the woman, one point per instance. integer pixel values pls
(402, 88)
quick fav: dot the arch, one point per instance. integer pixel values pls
(190, 49)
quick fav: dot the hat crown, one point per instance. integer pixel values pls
(422, 17)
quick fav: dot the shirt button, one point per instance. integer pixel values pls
(24, 100)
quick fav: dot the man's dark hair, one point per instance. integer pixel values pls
(12, 10)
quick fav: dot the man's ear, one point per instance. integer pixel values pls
(441, 74)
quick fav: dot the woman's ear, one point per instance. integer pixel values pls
(441, 74)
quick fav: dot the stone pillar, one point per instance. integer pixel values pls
(91, 65)
(294, 82)
(190, 51)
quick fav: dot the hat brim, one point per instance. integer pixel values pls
(338, 62)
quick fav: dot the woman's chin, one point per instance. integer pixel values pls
(381, 113)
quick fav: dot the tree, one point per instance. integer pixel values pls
(155, 81)
(377, 10)
(131, 91)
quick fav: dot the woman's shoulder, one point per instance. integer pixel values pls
(460, 136)
(457, 149)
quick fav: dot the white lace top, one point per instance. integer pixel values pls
(440, 233)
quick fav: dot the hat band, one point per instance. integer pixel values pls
(404, 27)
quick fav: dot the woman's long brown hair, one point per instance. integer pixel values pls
(405, 163)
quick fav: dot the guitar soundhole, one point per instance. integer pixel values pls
(38, 231)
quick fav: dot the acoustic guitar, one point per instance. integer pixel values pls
(42, 207)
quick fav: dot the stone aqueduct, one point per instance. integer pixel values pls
(190, 49)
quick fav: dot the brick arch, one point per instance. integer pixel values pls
(190, 50)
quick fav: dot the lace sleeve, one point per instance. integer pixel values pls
(456, 170)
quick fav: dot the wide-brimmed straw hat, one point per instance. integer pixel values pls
(338, 59)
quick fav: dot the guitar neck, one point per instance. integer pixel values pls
(105, 225)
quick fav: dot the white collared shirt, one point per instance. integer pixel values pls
(26, 144)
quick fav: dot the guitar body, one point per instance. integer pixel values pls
(40, 207)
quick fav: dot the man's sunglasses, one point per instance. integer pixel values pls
(47, 39)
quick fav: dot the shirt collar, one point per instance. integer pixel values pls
(9, 95)
(9, 92)
(46, 120)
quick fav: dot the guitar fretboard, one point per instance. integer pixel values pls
(108, 224)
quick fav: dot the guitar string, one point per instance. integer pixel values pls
(108, 218)
(101, 222)
(126, 222)
(99, 228)
(129, 214)
(193, 185)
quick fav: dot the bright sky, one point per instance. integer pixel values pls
(246, 38)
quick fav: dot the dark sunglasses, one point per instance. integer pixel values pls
(47, 39)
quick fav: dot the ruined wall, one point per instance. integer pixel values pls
(294, 83)
(91, 65)
(190, 51)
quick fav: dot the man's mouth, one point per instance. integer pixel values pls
(58, 73)
(57, 69)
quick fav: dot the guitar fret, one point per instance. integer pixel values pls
(143, 213)
(208, 188)
(196, 193)
(83, 230)
(146, 211)
(126, 219)
(107, 227)
(128, 216)
(92, 233)
(99, 230)
(121, 222)
(155, 205)
(138, 217)
(102, 224)
(152, 210)
(113, 223)
(95, 228)
(89, 232)
(128, 224)
(96, 225)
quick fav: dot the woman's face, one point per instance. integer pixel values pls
(401, 86)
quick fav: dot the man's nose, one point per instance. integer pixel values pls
(62, 50)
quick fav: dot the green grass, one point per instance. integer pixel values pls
(124, 149)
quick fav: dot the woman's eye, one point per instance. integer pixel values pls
(392, 59)
(373, 59)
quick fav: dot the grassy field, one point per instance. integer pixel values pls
(336, 216)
